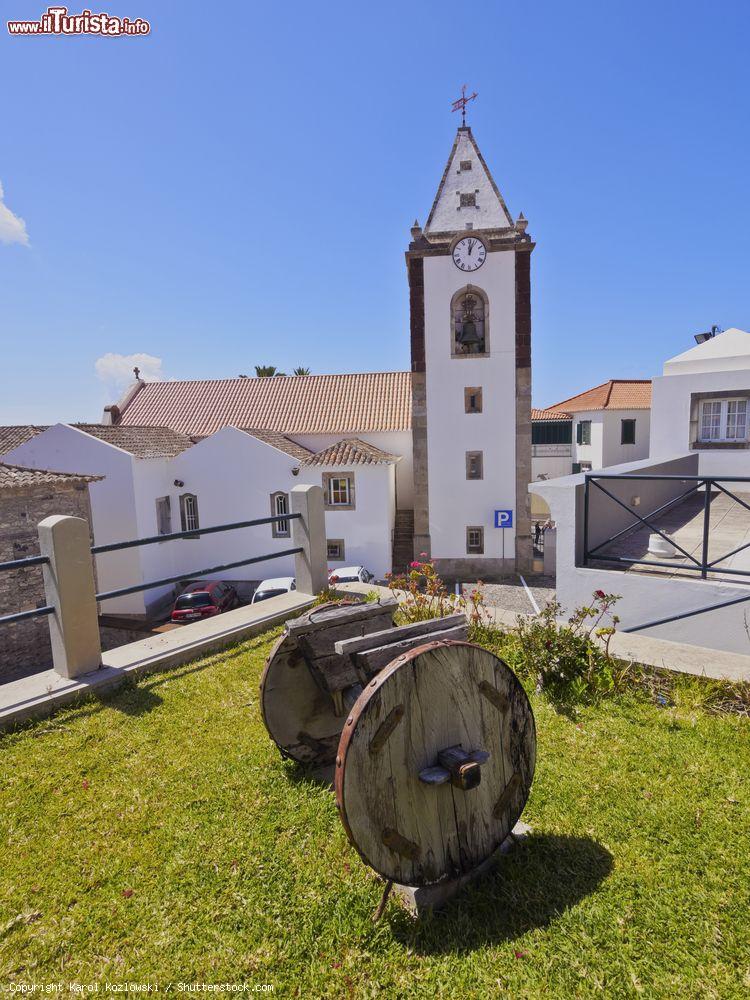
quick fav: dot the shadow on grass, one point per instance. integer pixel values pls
(302, 774)
(529, 888)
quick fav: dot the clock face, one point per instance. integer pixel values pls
(469, 253)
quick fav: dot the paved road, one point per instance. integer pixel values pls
(512, 596)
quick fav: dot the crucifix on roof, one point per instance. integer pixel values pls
(460, 104)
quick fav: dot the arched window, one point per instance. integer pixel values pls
(279, 507)
(189, 512)
(470, 323)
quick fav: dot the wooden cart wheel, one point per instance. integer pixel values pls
(297, 713)
(435, 763)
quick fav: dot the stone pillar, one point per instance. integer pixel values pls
(69, 588)
(524, 551)
(309, 532)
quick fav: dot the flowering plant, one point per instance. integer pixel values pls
(423, 594)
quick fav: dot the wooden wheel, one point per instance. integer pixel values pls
(435, 763)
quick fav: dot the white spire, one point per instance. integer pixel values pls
(468, 197)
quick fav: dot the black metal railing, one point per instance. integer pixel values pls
(30, 561)
(25, 563)
(193, 533)
(695, 565)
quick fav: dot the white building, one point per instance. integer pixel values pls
(699, 428)
(156, 481)
(700, 403)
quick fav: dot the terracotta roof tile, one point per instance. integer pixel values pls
(549, 414)
(281, 442)
(19, 477)
(351, 451)
(14, 435)
(303, 404)
(616, 394)
(142, 442)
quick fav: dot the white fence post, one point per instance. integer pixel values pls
(309, 532)
(69, 589)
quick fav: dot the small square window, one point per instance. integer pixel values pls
(474, 465)
(468, 200)
(475, 541)
(473, 399)
(338, 490)
(627, 431)
(465, 165)
(335, 548)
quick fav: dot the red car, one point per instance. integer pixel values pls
(202, 600)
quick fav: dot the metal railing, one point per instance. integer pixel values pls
(26, 563)
(193, 533)
(30, 561)
(695, 565)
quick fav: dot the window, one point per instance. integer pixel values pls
(468, 200)
(627, 431)
(473, 399)
(551, 432)
(338, 490)
(469, 326)
(163, 516)
(474, 465)
(335, 549)
(581, 467)
(280, 506)
(723, 420)
(189, 512)
(583, 432)
(465, 165)
(475, 541)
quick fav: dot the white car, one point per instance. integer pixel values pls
(274, 587)
(352, 574)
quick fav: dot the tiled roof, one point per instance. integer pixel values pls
(549, 414)
(281, 442)
(14, 435)
(303, 404)
(142, 442)
(18, 476)
(351, 451)
(616, 394)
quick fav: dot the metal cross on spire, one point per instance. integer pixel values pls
(460, 104)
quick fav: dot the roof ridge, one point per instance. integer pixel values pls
(50, 472)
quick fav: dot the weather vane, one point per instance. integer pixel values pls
(460, 104)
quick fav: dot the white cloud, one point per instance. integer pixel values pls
(117, 369)
(12, 228)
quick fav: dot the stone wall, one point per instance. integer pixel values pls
(25, 645)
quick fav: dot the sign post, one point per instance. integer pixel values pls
(503, 519)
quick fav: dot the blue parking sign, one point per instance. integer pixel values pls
(503, 518)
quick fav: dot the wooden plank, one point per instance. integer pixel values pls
(335, 672)
(371, 661)
(315, 621)
(348, 646)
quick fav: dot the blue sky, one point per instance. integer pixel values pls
(237, 188)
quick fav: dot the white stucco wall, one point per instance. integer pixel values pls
(367, 530)
(670, 423)
(392, 442)
(454, 501)
(113, 502)
(606, 431)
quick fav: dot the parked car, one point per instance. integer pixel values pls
(204, 599)
(352, 574)
(274, 587)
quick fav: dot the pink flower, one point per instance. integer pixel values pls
(414, 565)
(422, 555)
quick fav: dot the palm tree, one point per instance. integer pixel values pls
(301, 371)
(266, 371)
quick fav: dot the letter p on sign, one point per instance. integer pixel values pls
(503, 518)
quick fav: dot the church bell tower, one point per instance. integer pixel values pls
(470, 305)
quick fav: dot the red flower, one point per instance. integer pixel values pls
(84, 783)
(600, 594)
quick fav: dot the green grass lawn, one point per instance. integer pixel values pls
(158, 836)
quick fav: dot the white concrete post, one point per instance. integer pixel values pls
(309, 531)
(69, 589)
